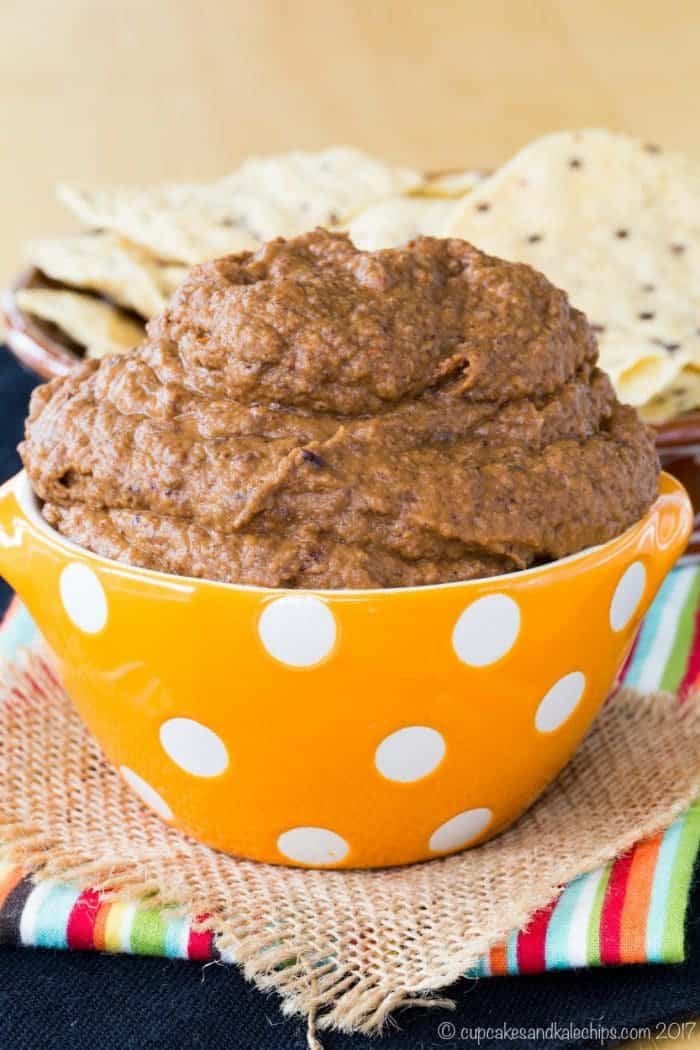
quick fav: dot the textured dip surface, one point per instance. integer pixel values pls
(312, 415)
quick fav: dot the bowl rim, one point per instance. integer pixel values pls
(28, 503)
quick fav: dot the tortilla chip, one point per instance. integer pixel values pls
(93, 323)
(682, 396)
(105, 263)
(451, 184)
(278, 196)
(616, 223)
(650, 367)
(176, 224)
(398, 220)
(326, 188)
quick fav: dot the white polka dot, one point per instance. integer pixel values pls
(460, 830)
(298, 630)
(559, 702)
(83, 597)
(627, 596)
(194, 747)
(486, 630)
(410, 753)
(146, 793)
(312, 846)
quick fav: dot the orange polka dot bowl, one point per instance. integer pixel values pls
(339, 728)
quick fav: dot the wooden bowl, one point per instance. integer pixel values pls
(44, 349)
(678, 442)
(39, 345)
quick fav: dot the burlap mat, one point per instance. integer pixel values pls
(343, 948)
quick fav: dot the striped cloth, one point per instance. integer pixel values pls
(664, 655)
(50, 914)
(631, 910)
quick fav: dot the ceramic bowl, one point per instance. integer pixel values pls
(339, 728)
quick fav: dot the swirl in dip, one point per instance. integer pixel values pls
(312, 415)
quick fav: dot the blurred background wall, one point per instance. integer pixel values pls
(147, 90)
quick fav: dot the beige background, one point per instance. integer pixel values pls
(146, 90)
(109, 90)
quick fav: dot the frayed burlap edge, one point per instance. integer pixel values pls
(345, 949)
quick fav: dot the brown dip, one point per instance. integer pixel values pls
(316, 416)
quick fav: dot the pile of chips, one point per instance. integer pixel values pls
(614, 221)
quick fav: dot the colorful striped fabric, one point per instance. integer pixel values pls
(49, 914)
(631, 910)
(664, 655)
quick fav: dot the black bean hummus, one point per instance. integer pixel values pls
(312, 415)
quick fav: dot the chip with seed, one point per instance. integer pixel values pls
(185, 224)
(276, 196)
(617, 225)
(680, 397)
